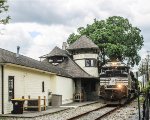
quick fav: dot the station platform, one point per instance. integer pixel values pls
(78, 104)
(49, 110)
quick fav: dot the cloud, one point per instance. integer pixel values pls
(68, 12)
(14, 35)
(44, 40)
(47, 12)
(39, 25)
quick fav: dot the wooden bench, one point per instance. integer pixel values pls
(35, 103)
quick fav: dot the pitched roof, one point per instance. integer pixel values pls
(10, 57)
(68, 68)
(56, 52)
(82, 43)
(74, 69)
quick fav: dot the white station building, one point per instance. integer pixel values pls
(66, 72)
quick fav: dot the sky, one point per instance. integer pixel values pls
(37, 26)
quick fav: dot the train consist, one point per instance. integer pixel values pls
(117, 83)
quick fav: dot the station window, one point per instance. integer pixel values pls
(90, 62)
(10, 87)
(43, 87)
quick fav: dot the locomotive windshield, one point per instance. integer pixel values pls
(114, 72)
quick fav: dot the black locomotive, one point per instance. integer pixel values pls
(117, 83)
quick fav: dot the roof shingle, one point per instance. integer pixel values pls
(55, 52)
(10, 57)
(70, 66)
(83, 43)
(73, 69)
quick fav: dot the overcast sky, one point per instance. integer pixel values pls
(37, 26)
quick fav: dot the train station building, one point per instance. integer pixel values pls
(70, 72)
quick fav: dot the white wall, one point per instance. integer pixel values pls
(83, 56)
(33, 84)
(53, 83)
(27, 82)
(65, 87)
(80, 60)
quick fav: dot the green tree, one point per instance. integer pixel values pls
(142, 69)
(116, 38)
(4, 8)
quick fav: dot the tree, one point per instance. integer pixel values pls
(4, 8)
(142, 69)
(116, 38)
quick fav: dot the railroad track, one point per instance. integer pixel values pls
(108, 112)
(98, 113)
(95, 114)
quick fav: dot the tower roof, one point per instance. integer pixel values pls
(83, 43)
(55, 52)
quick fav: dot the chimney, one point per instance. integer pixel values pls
(64, 45)
(17, 54)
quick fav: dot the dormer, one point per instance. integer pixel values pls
(56, 56)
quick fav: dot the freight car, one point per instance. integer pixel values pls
(117, 83)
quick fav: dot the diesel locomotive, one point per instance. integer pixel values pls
(117, 83)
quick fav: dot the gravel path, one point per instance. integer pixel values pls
(95, 114)
(129, 112)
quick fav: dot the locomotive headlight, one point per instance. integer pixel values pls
(113, 63)
(119, 86)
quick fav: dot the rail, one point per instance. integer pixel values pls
(85, 113)
(109, 110)
(107, 113)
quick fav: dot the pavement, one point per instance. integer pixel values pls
(49, 110)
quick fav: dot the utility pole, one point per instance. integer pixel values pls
(138, 90)
(146, 102)
(143, 74)
(148, 83)
(148, 66)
